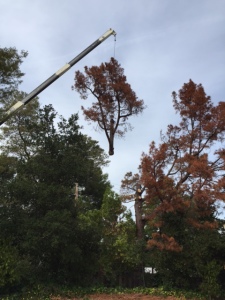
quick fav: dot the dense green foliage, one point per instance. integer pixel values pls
(38, 211)
(10, 73)
(198, 264)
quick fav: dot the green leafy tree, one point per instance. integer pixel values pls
(120, 253)
(10, 73)
(39, 197)
(9, 266)
(109, 233)
(15, 136)
(210, 286)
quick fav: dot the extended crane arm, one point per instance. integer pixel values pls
(55, 76)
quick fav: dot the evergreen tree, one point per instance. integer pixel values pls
(40, 213)
(10, 73)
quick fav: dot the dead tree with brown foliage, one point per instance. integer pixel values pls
(115, 101)
(185, 173)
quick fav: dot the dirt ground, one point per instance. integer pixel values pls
(119, 297)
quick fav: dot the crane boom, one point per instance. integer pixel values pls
(55, 76)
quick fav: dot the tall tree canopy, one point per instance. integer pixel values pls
(185, 173)
(73, 157)
(37, 207)
(116, 101)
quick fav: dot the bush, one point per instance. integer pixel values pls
(210, 286)
(12, 268)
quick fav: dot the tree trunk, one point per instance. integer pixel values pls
(138, 214)
(111, 137)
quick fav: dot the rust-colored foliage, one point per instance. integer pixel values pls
(185, 173)
(164, 242)
(115, 100)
